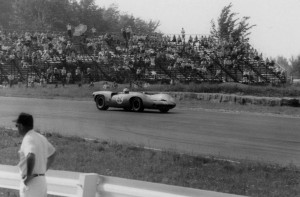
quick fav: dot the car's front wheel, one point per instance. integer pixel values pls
(100, 103)
(137, 105)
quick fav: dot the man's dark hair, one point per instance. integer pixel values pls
(26, 120)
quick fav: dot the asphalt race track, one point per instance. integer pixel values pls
(236, 135)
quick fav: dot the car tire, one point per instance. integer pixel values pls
(100, 103)
(137, 105)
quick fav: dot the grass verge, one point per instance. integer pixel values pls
(73, 91)
(243, 177)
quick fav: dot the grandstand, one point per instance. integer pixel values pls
(35, 57)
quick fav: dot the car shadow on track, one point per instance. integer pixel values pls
(144, 112)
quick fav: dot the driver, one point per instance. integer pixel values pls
(126, 91)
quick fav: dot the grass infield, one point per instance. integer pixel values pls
(72, 91)
(127, 161)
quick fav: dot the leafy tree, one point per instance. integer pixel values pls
(284, 63)
(153, 25)
(59, 11)
(111, 18)
(114, 21)
(138, 25)
(230, 27)
(6, 9)
(32, 14)
(127, 20)
(295, 64)
(87, 12)
(88, 4)
(55, 14)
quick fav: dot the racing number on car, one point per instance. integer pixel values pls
(119, 100)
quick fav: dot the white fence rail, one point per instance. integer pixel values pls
(74, 184)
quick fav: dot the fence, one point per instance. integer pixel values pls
(74, 184)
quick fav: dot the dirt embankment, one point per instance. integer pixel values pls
(237, 99)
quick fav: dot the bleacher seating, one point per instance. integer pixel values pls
(144, 58)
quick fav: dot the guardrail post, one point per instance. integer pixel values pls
(88, 185)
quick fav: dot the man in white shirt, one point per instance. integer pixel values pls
(36, 156)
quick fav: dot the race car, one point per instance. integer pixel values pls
(133, 101)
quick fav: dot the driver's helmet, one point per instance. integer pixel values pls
(125, 90)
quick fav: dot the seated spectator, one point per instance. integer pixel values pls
(49, 49)
(56, 76)
(138, 73)
(5, 82)
(30, 82)
(106, 85)
(218, 72)
(43, 80)
(69, 77)
(93, 30)
(115, 85)
(152, 61)
(90, 77)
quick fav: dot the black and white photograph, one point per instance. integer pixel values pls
(149, 98)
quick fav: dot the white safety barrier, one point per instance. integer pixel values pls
(74, 184)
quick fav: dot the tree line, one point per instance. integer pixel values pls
(230, 27)
(54, 15)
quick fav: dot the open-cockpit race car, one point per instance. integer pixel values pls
(133, 101)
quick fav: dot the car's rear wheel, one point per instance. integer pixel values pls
(100, 103)
(137, 105)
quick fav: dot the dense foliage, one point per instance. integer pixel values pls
(295, 65)
(229, 27)
(54, 15)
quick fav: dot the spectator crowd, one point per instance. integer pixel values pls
(62, 57)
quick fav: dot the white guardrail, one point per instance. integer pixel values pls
(74, 184)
